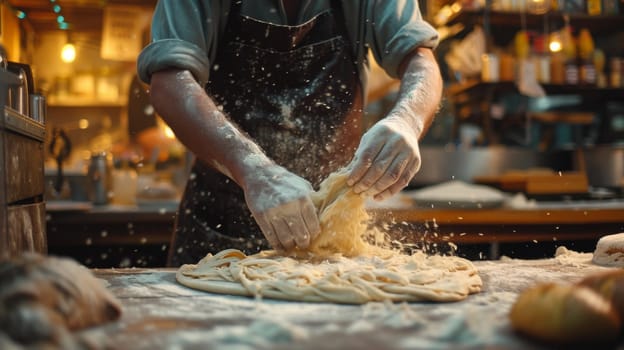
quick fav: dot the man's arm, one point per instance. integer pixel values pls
(203, 128)
(278, 199)
(389, 156)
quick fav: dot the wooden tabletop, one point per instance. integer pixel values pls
(158, 313)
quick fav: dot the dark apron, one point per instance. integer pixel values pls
(295, 91)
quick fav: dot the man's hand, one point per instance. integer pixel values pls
(388, 156)
(386, 159)
(280, 202)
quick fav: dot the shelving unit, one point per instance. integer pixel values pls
(500, 28)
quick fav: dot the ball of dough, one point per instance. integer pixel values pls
(565, 314)
(610, 250)
(609, 284)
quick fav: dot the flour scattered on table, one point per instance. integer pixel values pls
(458, 194)
(566, 256)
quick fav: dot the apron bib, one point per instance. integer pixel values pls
(295, 91)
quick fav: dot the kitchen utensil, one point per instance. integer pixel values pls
(38, 107)
(99, 178)
(60, 148)
(19, 98)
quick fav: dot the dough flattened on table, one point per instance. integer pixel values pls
(396, 277)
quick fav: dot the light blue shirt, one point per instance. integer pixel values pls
(186, 33)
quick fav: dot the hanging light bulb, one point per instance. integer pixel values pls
(68, 53)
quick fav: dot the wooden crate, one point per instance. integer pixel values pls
(22, 208)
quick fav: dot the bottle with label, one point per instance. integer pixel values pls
(557, 58)
(594, 7)
(541, 59)
(616, 72)
(99, 178)
(569, 51)
(587, 70)
(610, 7)
(600, 62)
(557, 68)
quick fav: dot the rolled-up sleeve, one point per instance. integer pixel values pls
(395, 29)
(183, 35)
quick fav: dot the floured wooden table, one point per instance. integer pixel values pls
(161, 314)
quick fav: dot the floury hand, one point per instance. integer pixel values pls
(281, 204)
(386, 160)
(388, 156)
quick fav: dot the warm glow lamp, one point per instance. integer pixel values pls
(68, 53)
(555, 44)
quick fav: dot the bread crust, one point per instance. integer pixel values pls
(565, 314)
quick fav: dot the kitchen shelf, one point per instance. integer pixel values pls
(86, 103)
(21, 124)
(475, 95)
(475, 86)
(556, 20)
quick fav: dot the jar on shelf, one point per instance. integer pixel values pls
(615, 65)
(594, 7)
(490, 67)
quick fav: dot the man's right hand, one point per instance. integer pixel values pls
(281, 204)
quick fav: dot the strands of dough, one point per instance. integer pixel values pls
(339, 280)
(339, 266)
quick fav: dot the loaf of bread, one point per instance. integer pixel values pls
(565, 314)
(610, 251)
(43, 299)
(609, 284)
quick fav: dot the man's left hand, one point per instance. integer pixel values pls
(386, 160)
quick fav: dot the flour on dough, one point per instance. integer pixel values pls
(340, 266)
(343, 219)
